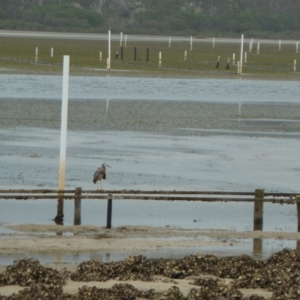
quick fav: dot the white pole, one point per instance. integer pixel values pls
(191, 43)
(107, 104)
(159, 59)
(121, 39)
(258, 44)
(295, 65)
(100, 55)
(245, 57)
(169, 42)
(279, 44)
(125, 40)
(64, 121)
(51, 52)
(233, 58)
(297, 47)
(109, 50)
(185, 54)
(241, 57)
(214, 43)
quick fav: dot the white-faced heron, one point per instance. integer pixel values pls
(100, 174)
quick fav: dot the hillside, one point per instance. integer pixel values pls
(262, 18)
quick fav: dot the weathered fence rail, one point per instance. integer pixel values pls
(258, 197)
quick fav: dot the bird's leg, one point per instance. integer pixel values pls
(97, 186)
(100, 184)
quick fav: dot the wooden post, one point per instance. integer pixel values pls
(147, 54)
(258, 210)
(109, 211)
(298, 211)
(122, 52)
(134, 53)
(77, 206)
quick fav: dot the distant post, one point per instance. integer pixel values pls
(241, 56)
(109, 50)
(191, 43)
(159, 59)
(279, 45)
(169, 42)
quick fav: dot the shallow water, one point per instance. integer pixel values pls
(97, 88)
(157, 134)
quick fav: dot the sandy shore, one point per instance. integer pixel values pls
(44, 239)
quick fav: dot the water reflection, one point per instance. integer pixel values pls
(257, 248)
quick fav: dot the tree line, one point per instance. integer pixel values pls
(178, 17)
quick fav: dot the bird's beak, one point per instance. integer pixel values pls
(107, 166)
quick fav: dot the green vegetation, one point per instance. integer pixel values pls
(259, 18)
(19, 54)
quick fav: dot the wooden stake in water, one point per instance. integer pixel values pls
(258, 210)
(295, 65)
(121, 39)
(258, 47)
(51, 52)
(63, 137)
(77, 206)
(159, 59)
(125, 42)
(233, 58)
(169, 42)
(241, 56)
(109, 50)
(100, 55)
(238, 67)
(297, 47)
(185, 54)
(191, 43)
(214, 43)
(240, 108)
(245, 57)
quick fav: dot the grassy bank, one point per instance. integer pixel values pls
(18, 55)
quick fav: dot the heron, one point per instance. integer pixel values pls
(100, 174)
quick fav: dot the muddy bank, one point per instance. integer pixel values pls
(163, 117)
